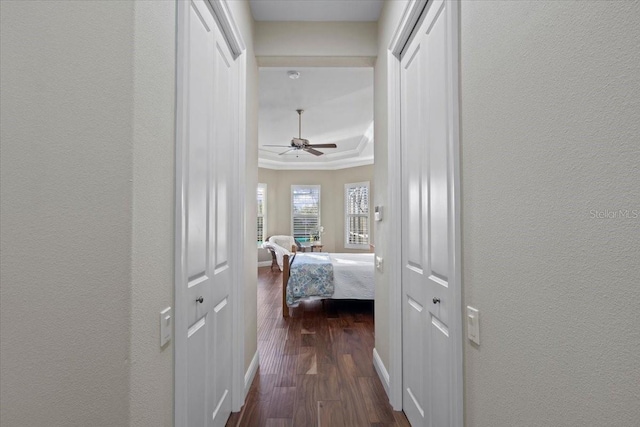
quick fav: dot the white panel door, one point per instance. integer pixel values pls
(207, 154)
(427, 225)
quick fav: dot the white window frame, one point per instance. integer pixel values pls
(296, 187)
(347, 215)
(264, 212)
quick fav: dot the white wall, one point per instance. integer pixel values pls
(550, 131)
(151, 371)
(244, 20)
(87, 230)
(385, 242)
(304, 39)
(67, 87)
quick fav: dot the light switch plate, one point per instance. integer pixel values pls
(166, 320)
(377, 213)
(473, 324)
(379, 263)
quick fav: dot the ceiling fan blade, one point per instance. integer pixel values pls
(286, 151)
(312, 151)
(267, 145)
(323, 145)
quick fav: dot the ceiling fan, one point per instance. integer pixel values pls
(300, 143)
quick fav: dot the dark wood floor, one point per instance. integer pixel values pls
(316, 367)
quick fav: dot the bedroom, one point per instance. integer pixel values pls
(318, 195)
(324, 201)
(338, 109)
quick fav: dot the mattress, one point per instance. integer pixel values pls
(353, 275)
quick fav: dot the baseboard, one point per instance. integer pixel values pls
(251, 373)
(264, 263)
(382, 371)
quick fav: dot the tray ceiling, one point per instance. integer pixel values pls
(338, 104)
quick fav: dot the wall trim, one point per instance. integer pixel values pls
(401, 37)
(238, 229)
(404, 32)
(334, 165)
(316, 61)
(264, 263)
(394, 258)
(381, 370)
(456, 200)
(251, 373)
(228, 27)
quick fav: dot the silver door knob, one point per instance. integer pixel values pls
(436, 300)
(200, 300)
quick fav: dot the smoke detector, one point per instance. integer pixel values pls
(293, 74)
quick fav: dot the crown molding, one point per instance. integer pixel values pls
(334, 165)
(316, 61)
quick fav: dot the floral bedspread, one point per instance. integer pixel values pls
(311, 275)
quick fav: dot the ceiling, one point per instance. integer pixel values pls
(316, 10)
(338, 108)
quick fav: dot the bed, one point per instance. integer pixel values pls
(323, 275)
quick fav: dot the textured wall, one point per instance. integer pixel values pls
(550, 131)
(385, 243)
(66, 171)
(331, 200)
(151, 389)
(242, 15)
(87, 211)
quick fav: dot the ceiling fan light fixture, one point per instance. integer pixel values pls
(293, 74)
(301, 144)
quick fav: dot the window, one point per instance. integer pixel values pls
(305, 211)
(356, 224)
(262, 212)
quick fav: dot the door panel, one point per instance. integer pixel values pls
(222, 155)
(413, 169)
(208, 152)
(436, 111)
(201, 66)
(415, 392)
(223, 151)
(427, 233)
(197, 346)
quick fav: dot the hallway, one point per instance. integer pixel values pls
(315, 367)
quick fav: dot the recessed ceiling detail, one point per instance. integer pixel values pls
(338, 109)
(316, 10)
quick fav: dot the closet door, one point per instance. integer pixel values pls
(427, 226)
(206, 264)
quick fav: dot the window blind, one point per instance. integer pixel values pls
(357, 215)
(262, 210)
(305, 216)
